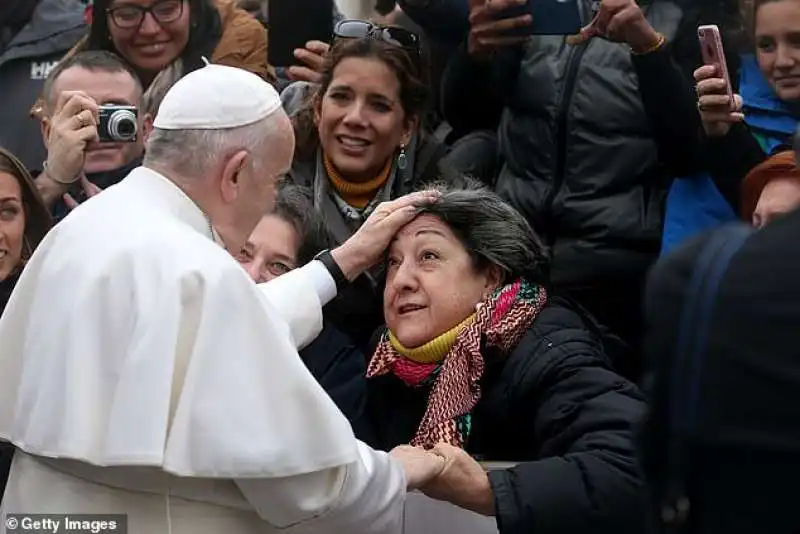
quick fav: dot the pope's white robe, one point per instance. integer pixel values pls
(142, 372)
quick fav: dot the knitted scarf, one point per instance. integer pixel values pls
(501, 321)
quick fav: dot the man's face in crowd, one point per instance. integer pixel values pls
(105, 88)
(777, 29)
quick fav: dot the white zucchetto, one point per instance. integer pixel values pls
(216, 97)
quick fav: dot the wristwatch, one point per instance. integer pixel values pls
(326, 258)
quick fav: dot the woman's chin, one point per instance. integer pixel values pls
(410, 338)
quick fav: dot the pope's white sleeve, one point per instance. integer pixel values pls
(364, 497)
(298, 296)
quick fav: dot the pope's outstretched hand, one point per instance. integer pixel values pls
(366, 247)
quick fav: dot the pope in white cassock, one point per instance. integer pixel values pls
(142, 372)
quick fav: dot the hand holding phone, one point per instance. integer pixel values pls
(491, 28)
(719, 107)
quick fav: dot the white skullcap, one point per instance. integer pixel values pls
(216, 97)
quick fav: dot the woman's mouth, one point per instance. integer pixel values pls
(354, 146)
(405, 309)
(151, 49)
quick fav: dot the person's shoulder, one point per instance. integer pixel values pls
(238, 21)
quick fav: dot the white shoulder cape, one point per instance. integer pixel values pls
(133, 339)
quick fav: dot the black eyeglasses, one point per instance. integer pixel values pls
(358, 29)
(127, 16)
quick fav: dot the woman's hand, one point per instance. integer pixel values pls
(717, 111)
(463, 482)
(313, 55)
(488, 29)
(621, 21)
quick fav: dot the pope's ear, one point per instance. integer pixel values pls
(45, 127)
(230, 185)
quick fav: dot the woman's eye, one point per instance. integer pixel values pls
(392, 262)
(429, 256)
(9, 214)
(279, 268)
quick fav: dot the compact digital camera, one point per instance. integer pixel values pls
(118, 124)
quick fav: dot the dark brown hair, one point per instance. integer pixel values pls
(37, 219)
(408, 66)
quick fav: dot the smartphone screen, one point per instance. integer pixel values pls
(549, 17)
(292, 23)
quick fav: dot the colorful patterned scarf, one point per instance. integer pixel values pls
(501, 321)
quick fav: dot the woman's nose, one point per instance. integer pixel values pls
(253, 268)
(784, 57)
(404, 278)
(149, 25)
(355, 115)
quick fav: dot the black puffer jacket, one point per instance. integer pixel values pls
(556, 406)
(581, 160)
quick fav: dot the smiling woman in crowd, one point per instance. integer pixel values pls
(23, 221)
(151, 34)
(359, 143)
(478, 355)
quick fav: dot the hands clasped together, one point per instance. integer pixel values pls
(447, 473)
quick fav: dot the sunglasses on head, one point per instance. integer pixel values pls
(358, 29)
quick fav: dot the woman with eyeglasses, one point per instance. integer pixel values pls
(359, 142)
(151, 34)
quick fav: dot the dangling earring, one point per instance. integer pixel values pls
(402, 159)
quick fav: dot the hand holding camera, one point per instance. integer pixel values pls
(73, 126)
(76, 123)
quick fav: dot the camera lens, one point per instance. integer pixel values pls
(122, 125)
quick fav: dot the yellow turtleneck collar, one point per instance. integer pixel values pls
(357, 194)
(434, 350)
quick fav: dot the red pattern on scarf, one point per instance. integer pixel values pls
(503, 319)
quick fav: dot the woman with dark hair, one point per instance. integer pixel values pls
(151, 34)
(24, 221)
(359, 142)
(477, 356)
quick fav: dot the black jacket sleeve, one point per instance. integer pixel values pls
(671, 106)
(584, 418)
(472, 91)
(730, 158)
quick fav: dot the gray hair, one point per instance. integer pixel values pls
(492, 232)
(194, 152)
(152, 98)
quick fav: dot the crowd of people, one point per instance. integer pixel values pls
(292, 293)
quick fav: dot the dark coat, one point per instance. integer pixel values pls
(744, 456)
(556, 406)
